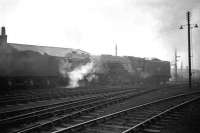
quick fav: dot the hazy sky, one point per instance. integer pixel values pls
(144, 28)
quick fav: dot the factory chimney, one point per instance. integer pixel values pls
(3, 36)
(116, 49)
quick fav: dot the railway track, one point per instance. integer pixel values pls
(23, 108)
(125, 121)
(32, 97)
(37, 96)
(61, 103)
(167, 118)
(43, 118)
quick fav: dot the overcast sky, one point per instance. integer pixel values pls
(143, 28)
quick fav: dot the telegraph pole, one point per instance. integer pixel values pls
(189, 46)
(189, 50)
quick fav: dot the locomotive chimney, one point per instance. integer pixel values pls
(3, 36)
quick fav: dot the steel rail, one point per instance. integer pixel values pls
(56, 108)
(149, 120)
(22, 99)
(78, 127)
(83, 111)
(5, 114)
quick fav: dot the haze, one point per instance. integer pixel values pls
(140, 28)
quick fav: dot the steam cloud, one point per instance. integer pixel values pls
(79, 73)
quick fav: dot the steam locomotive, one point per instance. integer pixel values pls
(26, 66)
(131, 70)
(22, 69)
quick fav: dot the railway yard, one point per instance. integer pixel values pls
(95, 110)
(104, 67)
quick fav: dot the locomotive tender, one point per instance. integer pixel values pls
(25, 66)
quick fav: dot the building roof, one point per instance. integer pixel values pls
(53, 51)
